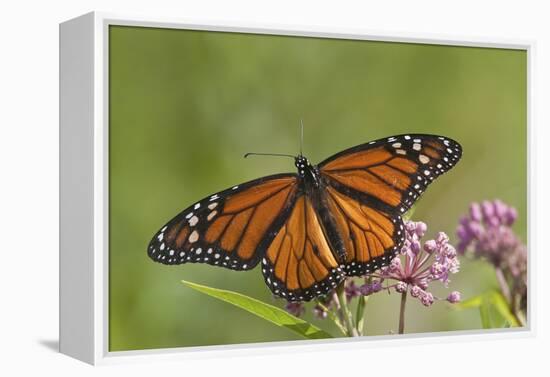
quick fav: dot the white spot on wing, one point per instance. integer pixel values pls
(194, 237)
(424, 159)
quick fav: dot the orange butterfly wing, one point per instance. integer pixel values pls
(229, 229)
(390, 174)
(370, 185)
(308, 238)
(299, 264)
(371, 238)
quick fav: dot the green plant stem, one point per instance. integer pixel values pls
(334, 319)
(518, 315)
(521, 318)
(504, 287)
(402, 313)
(507, 293)
(351, 330)
(360, 315)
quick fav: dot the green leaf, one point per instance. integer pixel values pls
(473, 302)
(268, 312)
(481, 303)
(484, 313)
(492, 299)
(501, 305)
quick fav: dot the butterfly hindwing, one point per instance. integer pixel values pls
(390, 174)
(370, 237)
(227, 229)
(299, 264)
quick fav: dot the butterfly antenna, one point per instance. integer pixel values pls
(268, 154)
(301, 136)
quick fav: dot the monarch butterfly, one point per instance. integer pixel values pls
(312, 228)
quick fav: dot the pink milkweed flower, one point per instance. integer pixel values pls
(351, 289)
(453, 297)
(295, 308)
(486, 233)
(319, 312)
(418, 265)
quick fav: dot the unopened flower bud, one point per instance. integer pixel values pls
(427, 299)
(430, 246)
(401, 287)
(454, 297)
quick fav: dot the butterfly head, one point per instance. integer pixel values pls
(302, 164)
(307, 172)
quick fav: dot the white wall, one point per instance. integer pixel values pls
(29, 180)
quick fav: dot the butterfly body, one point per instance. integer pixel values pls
(308, 174)
(312, 228)
(313, 187)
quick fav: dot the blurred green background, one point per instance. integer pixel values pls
(186, 105)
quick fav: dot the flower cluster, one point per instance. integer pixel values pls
(486, 232)
(419, 265)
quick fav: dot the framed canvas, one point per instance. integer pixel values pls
(172, 243)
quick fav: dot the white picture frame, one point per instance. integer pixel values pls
(84, 188)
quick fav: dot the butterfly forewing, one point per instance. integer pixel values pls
(226, 229)
(390, 174)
